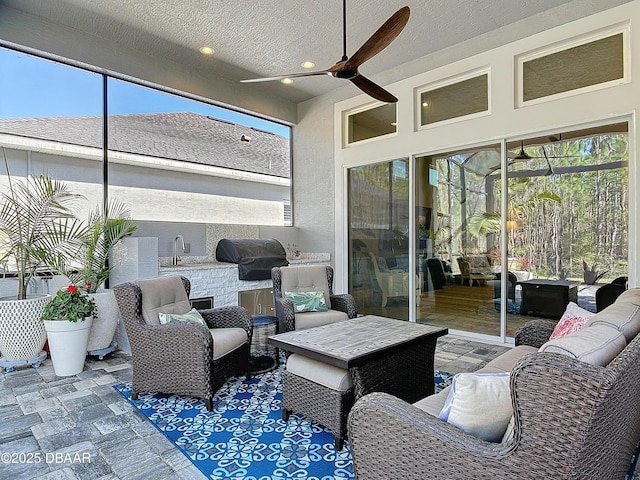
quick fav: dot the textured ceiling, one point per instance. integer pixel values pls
(255, 38)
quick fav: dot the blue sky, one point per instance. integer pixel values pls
(33, 87)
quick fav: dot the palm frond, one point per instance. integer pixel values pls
(485, 223)
(37, 226)
(104, 230)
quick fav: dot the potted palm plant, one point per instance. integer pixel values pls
(38, 231)
(105, 228)
(67, 318)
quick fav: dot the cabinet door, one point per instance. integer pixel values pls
(258, 301)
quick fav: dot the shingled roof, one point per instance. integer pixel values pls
(184, 136)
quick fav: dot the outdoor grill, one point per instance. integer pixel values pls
(255, 257)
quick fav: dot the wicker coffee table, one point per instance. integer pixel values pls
(381, 355)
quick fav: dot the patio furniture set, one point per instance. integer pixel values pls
(573, 398)
(334, 358)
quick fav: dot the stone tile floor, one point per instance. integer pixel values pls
(80, 428)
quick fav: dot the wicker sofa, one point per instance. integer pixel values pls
(572, 419)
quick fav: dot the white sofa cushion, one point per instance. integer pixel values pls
(596, 344)
(433, 404)
(623, 315)
(479, 404)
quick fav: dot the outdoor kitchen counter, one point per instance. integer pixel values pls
(220, 279)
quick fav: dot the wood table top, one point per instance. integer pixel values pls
(350, 343)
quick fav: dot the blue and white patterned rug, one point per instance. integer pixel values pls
(245, 437)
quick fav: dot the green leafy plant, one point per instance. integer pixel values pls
(38, 230)
(105, 228)
(69, 304)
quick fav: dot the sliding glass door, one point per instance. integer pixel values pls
(458, 239)
(379, 238)
(567, 225)
(481, 267)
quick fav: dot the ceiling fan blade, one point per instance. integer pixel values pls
(550, 171)
(380, 39)
(373, 90)
(290, 75)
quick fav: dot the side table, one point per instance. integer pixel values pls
(264, 356)
(547, 298)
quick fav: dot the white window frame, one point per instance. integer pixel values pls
(418, 91)
(600, 34)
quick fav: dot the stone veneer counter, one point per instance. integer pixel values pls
(220, 279)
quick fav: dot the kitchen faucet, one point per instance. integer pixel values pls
(176, 258)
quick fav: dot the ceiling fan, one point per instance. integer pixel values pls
(347, 68)
(522, 155)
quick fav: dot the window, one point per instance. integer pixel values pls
(371, 123)
(41, 106)
(455, 100)
(581, 66)
(170, 158)
(176, 159)
(566, 223)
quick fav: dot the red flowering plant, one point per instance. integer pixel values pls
(69, 305)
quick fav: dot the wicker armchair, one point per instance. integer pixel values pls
(608, 293)
(573, 420)
(182, 358)
(304, 279)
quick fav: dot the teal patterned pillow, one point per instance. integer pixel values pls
(307, 301)
(191, 316)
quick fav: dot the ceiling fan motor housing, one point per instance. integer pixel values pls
(346, 74)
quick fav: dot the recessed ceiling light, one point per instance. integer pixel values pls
(206, 50)
(308, 64)
(287, 81)
(425, 104)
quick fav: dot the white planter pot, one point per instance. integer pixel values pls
(68, 345)
(106, 322)
(22, 334)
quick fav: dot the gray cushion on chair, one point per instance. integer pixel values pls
(329, 376)
(312, 278)
(433, 404)
(315, 319)
(505, 362)
(630, 296)
(162, 294)
(226, 340)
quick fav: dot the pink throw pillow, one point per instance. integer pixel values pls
(572, 320)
